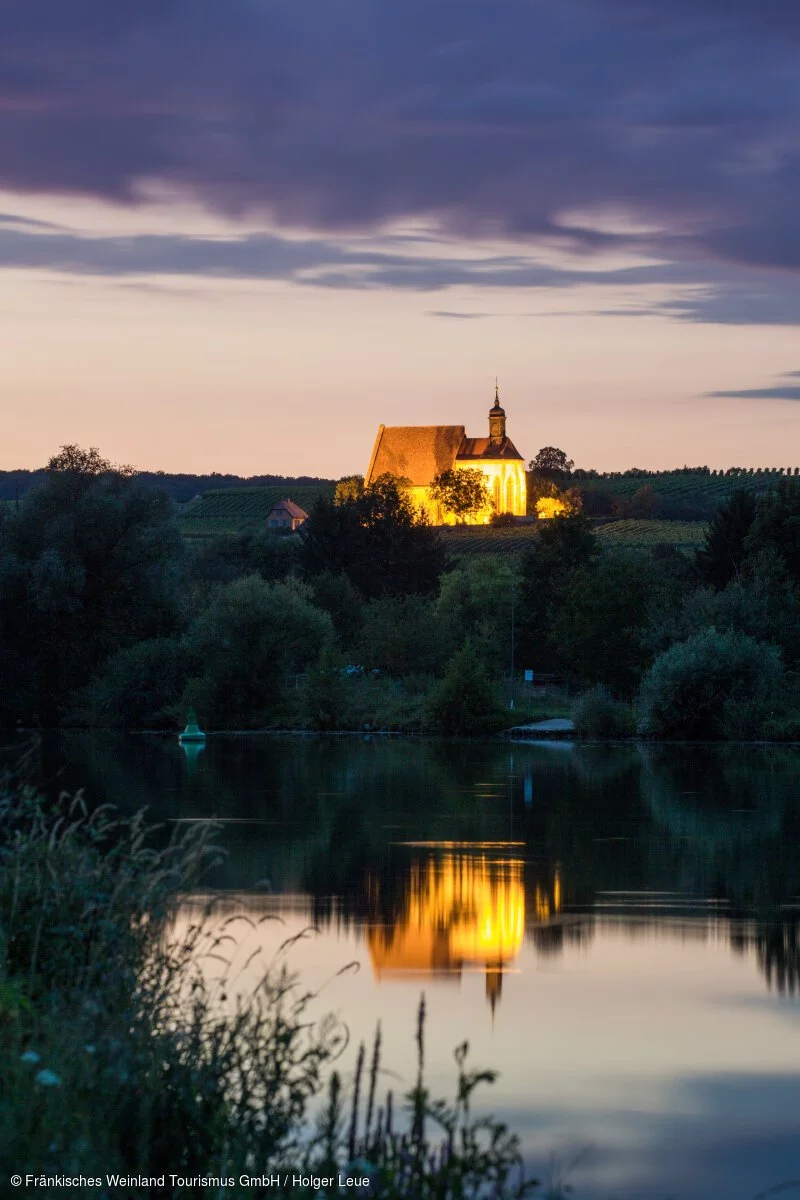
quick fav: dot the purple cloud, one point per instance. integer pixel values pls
(487, 118)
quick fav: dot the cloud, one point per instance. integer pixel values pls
(15, 221)
(382, 261)
(459, 316)
(716, 293)
(482, 118)
(778, 392)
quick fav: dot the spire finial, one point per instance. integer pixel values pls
(496, 391)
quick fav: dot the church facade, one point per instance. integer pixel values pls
(418, 453)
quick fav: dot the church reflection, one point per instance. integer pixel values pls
(458, 910)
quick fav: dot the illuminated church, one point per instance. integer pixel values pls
(418, 453)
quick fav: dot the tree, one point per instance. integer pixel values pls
(403, 635)
(254, 552)
(324, 694)
(336, 596)
(475, 602)
(713, 685)
(761, 602)
(603, 611)
(139, 687)
(74, 460)
(245, 644)
(551, 463)
(463, 702)
(562, 544)
(644, 504)
(89, 563)
(776, 526)
(725, 545)
(380, 541)
(548, 507)
(461, 493)
(348, 489)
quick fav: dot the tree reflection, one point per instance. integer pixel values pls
(778, 953)
(393, 837)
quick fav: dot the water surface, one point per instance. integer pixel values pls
(614, 929)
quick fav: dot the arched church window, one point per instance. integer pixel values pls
(510, 504)
(496, 493)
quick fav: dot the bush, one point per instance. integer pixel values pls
(713, 685)
(324, 695)
(380, 703)
(596, 714)
(463, 702)
(111, 1015)
(403, 635)
(254, 552)
(784, 727)
(245, 644)
(138, 688)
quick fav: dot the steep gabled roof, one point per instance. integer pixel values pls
(288, 506)
(474, 448)
(414, 452)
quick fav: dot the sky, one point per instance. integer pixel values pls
(239, 236)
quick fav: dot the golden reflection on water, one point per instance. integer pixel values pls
(458, 911)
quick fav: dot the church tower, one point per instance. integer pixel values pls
(497, 418)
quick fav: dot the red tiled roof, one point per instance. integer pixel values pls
(485, 448)
(288, 506)
(414, 452)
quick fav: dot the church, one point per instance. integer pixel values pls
(418, 453)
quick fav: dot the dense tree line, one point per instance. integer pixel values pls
(178, 485)
(108, 617)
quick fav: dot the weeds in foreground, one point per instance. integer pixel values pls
(118, 1056)
(436, 1149)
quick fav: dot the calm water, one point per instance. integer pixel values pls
(616, 930)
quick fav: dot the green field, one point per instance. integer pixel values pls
(706, 488)
(633, 533)
(485, 539)
(236, 510)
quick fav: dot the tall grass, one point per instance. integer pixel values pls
(437, 1150)
(117, 1056)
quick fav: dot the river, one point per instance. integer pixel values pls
(616, 930)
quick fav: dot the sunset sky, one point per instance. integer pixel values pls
(237, 235)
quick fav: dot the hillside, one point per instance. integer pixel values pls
(235, 510)
(692, 493)
(632, 534)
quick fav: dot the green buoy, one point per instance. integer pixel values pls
(192, 732)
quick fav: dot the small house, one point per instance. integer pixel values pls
(286, 515)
